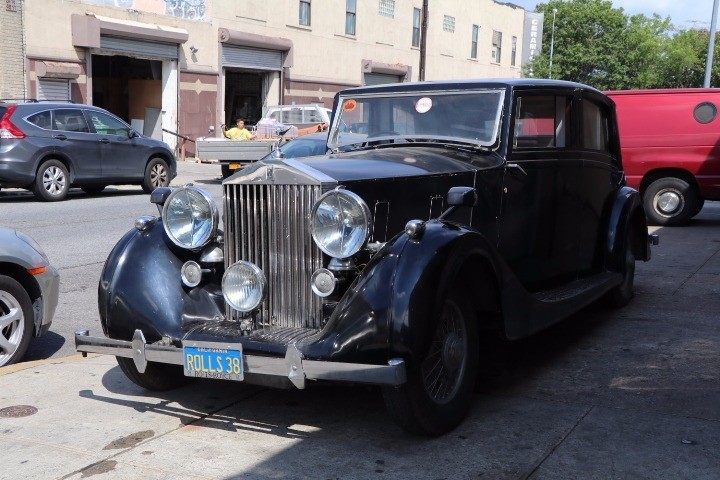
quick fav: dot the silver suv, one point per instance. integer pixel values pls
(50, 147)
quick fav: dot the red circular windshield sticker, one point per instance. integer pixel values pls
(349, 105)
(423, 105)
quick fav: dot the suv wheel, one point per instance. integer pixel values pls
(52, 181)
(157, 174)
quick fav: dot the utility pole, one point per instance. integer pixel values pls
(552, 40)
(711, 45)
(423, 39)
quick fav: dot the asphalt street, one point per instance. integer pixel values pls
(77, 234)
(607, 394)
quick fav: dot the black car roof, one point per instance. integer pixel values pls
(468, 84)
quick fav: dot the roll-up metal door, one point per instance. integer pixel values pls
(254, 58)
(53, 89)
(380, 78)
(139, 47)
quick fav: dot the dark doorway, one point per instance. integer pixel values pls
(126, 86)
(243, 96)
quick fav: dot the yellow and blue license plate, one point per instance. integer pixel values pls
(206, 360)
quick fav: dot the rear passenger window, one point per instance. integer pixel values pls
(70, 120)
(596, 130)
(542, 122)
(41, 119)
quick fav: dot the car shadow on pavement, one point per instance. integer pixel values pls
(231, 406)
(44, 347)
(506, 365)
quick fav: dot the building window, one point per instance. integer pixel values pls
(473, 46)
(387, 8)
(416, 27)
(513, 52)
(497, 46)
(350, 9)
(449, 23)
(305, 12)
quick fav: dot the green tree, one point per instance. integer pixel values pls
(682, 63)
(601, 46)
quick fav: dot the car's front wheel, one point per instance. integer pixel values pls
(157, 376)
(670, 201)
(16, 320)
(52, 181)
(157, 174)
(438, 391)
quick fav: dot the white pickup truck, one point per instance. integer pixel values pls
(233, 154)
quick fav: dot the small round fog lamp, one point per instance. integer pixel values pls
(323, 282)
(191, 274)
(244, 286)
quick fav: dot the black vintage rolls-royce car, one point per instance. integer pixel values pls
(449, 211)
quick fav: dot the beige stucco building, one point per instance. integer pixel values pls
(188, 65)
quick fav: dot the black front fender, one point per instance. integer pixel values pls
(392, 307)
(141, 288)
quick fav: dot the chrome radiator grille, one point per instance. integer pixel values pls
(269, 225)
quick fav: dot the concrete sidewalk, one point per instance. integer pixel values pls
(628, 394)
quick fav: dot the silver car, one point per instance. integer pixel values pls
(29, 288)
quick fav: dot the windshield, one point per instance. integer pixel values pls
(459, 116)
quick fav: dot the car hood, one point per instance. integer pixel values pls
(380, 163)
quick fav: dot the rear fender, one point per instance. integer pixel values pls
(627, 213)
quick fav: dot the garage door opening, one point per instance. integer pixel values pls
(243, 96)
(131, 88)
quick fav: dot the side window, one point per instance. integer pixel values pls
(596, 131)
(542, 121)
(41, 119)
(69, 120)
(107, 125)
(313, 116)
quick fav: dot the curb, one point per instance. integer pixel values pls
(19, 367)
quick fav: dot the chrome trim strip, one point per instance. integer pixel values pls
(311, 172)
(292, 366)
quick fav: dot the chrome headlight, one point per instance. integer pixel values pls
(340, 223)
(244, 286)
(190, 217)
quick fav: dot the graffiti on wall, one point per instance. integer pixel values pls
(189, 9)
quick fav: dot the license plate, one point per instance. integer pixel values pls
(234, 166)
(224, 362)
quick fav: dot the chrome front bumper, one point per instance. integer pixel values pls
(293, 366)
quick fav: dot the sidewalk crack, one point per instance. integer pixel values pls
(557, 444)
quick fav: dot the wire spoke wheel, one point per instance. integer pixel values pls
(446, 361)
(439, 387)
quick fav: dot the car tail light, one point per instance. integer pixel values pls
(7, 128)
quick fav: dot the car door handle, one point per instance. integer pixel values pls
(60, 137)
(104, 140)
(516, 167)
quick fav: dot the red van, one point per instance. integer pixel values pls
(670, 142)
